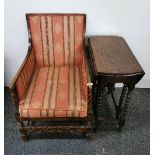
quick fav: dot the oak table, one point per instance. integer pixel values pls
(113, 62)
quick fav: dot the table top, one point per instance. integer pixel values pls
(112, 55)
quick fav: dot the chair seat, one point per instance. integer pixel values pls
(54, 92)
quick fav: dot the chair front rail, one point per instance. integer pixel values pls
(67, 129)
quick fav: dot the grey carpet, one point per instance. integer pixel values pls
(133, 140)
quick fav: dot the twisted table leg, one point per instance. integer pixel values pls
(121, 101)
(98, 106)
(100, 94)
(124, 110)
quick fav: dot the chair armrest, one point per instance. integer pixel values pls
(22, 78)
(89, 82)
(86, 83)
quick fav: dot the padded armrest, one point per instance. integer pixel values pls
(22, 78)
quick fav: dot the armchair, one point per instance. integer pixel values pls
(53, 82)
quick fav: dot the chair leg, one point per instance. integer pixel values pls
(17, 115)
(24, 135)
(89, 132)
(89, 135)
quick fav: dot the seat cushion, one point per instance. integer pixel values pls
(54, 92)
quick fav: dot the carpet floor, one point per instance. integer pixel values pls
(133, 140)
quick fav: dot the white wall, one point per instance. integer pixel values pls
(127, 18)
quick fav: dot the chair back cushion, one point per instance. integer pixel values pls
(57, 39)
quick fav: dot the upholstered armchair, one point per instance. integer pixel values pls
(53, 82)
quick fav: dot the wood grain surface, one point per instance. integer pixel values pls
(112, 55)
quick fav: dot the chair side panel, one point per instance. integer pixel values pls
(25, 75)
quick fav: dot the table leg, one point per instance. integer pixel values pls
(120, 107)
(124, 110)
(99, 104)
(124, 100)
(111, 87)
(121, 101)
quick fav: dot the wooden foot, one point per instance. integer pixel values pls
(89, 136)
(24, 138)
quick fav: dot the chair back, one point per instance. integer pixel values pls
(57, 39)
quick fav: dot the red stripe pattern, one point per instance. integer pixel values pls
(57, 39)
(25, 76)
(54, 92)
(58, 86)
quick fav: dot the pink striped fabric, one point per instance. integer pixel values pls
(54, 92)
(57, 39)
(58, 87)
(25, 76)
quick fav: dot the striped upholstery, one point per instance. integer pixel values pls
(25, 76)
(54, 92)
(58, 86)
(57, 39)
